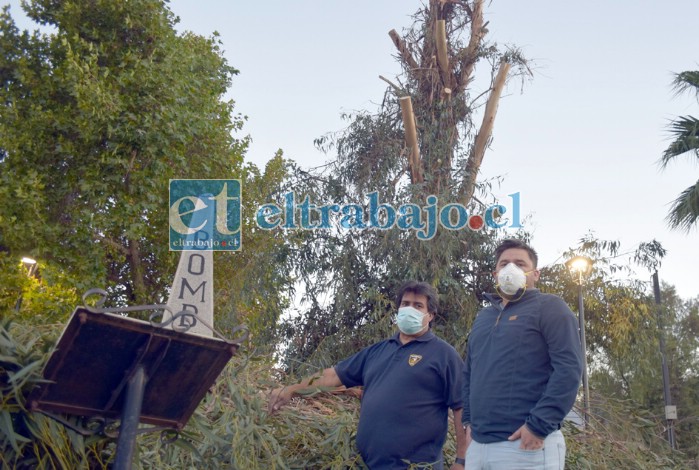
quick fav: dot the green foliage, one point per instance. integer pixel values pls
(623, 325)
(349, 277)
(623, 435)
(232, 430)
(27, 439)
(684, 212)
(96, 118)
(616, 304)
(637, 375)
(46, 297)
(253, 285)
(13, 283)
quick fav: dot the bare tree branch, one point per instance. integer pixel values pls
(118, 246)
(403, 49)
(440, 37)
(415, 165)
(399, 91)
(468, 56)
(484, 133)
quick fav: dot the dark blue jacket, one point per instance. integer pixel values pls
(523, 365)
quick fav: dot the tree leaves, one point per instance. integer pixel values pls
(109, 107)
(684, 212)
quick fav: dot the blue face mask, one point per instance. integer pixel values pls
(409, 320)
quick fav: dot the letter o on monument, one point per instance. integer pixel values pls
(190, 264)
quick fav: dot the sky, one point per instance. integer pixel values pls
(580, 140)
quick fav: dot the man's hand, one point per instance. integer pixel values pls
(279, 398)
(463, 440)
(282, 396)
(528, 440)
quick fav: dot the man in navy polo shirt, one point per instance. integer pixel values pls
(410, 381)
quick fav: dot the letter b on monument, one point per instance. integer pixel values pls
(193, 290)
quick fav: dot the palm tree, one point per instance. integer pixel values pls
(685, 131)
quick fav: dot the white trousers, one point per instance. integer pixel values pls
(507, 455)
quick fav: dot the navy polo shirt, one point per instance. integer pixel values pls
(408, 390)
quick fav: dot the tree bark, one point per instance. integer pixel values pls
(405, 54)
(415, 165)
(468, 56)
(137, 274)
(484, 133)
(440, 37)
(438, 82)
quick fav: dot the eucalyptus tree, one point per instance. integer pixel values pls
(422, 148)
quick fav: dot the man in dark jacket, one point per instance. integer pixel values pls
(522, 370)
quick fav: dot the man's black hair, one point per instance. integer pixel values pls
(420, 288)
(514, 243)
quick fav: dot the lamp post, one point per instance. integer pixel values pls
(670, 409)
(30, 266)
(580, 268)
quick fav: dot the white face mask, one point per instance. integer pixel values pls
(511, 279)
(409, 320)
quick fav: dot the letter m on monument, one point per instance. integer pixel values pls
(193, 291)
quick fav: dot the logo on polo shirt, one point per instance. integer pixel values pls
(414, 359)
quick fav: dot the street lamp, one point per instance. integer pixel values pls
(580, 268)
(30, 265)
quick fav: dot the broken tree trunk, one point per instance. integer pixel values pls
(406, 107)
(440, 37)
(484, 133)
